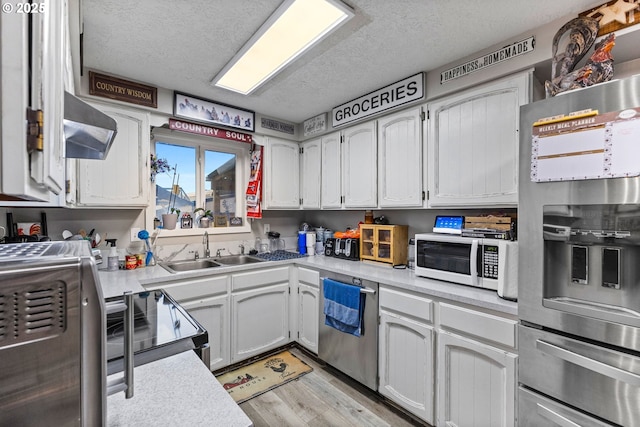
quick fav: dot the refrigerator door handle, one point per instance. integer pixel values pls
(588, 363)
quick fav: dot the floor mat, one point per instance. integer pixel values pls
(263, 375)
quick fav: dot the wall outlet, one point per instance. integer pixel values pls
(134, 234)
(267, 228)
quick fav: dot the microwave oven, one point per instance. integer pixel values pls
(481, 262)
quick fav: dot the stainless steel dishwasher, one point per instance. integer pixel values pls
(355, 356)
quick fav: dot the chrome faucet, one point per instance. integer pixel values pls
(205, 243)
(241, 249)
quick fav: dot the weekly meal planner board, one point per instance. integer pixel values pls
(586, 145)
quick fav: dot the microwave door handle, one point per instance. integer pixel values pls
(473, 259)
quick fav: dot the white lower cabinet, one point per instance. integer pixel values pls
(207, 300)
(476, 373)
(260, 312)
(308, 310)
(213, 314)
(406, 352)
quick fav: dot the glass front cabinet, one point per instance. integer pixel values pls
(384, 243)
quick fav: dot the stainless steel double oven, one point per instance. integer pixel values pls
(579, 268)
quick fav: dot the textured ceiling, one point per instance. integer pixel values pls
(182, 45)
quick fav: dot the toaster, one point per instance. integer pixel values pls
(342, 248)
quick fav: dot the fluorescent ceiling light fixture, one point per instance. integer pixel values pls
(295, 27)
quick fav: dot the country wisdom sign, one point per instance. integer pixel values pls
(122, 90)
(503, 54)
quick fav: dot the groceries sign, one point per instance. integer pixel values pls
(402, 92)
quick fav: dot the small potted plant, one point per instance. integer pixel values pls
(203, 220)
(169, 220)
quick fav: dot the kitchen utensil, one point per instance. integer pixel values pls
(144, 235)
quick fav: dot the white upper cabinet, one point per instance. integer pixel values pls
(122, 179)
(310, 174)
(281, 174)
(473, 145)
(331, 188)
(359, 166)
(32, 51)
(400, 159)
(349, 168)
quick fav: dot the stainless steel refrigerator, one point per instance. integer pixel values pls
(579, 263)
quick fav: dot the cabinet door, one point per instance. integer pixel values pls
(476, 383)
(311, 174)
(213, 314)
(331, 171)
(282, 177)
(406, 364)
(122, 179)
(308, 317)
(32, 51)
(359, 161)
(400, 159)
(260, 320)
(368, 248)
(473, 145)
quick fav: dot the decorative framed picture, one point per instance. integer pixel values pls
(219, 221)
(214, 113)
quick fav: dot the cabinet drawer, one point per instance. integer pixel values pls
(309, 277)
(478, 324)
(407, 304)
(248, 280)
(197, 288)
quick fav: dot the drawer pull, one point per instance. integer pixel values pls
(554, 417)
(588, 363)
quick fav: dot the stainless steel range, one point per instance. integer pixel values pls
(51, 336)
(579, 263)
(161, 328)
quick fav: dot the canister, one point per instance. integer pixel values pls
(302, 242)
(130, 262)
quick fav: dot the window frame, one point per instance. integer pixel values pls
(202, 144)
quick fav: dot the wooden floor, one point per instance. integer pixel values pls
(324, 397)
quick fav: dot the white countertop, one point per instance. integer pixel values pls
(175, 391)
(180, 390)
(116, 282)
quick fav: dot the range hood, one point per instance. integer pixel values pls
(88, 132)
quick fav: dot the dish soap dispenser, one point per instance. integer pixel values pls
(112, 259)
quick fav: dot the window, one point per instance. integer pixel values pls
(206, 173)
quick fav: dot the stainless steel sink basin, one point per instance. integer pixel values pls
(237, 259)
(189, 265)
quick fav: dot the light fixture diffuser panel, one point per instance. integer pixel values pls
(295, 27)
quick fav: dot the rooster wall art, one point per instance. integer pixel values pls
(597, 69)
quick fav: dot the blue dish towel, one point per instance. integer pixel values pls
(343, 307)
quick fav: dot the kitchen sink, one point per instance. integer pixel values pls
(237, 259)
(189, 265)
